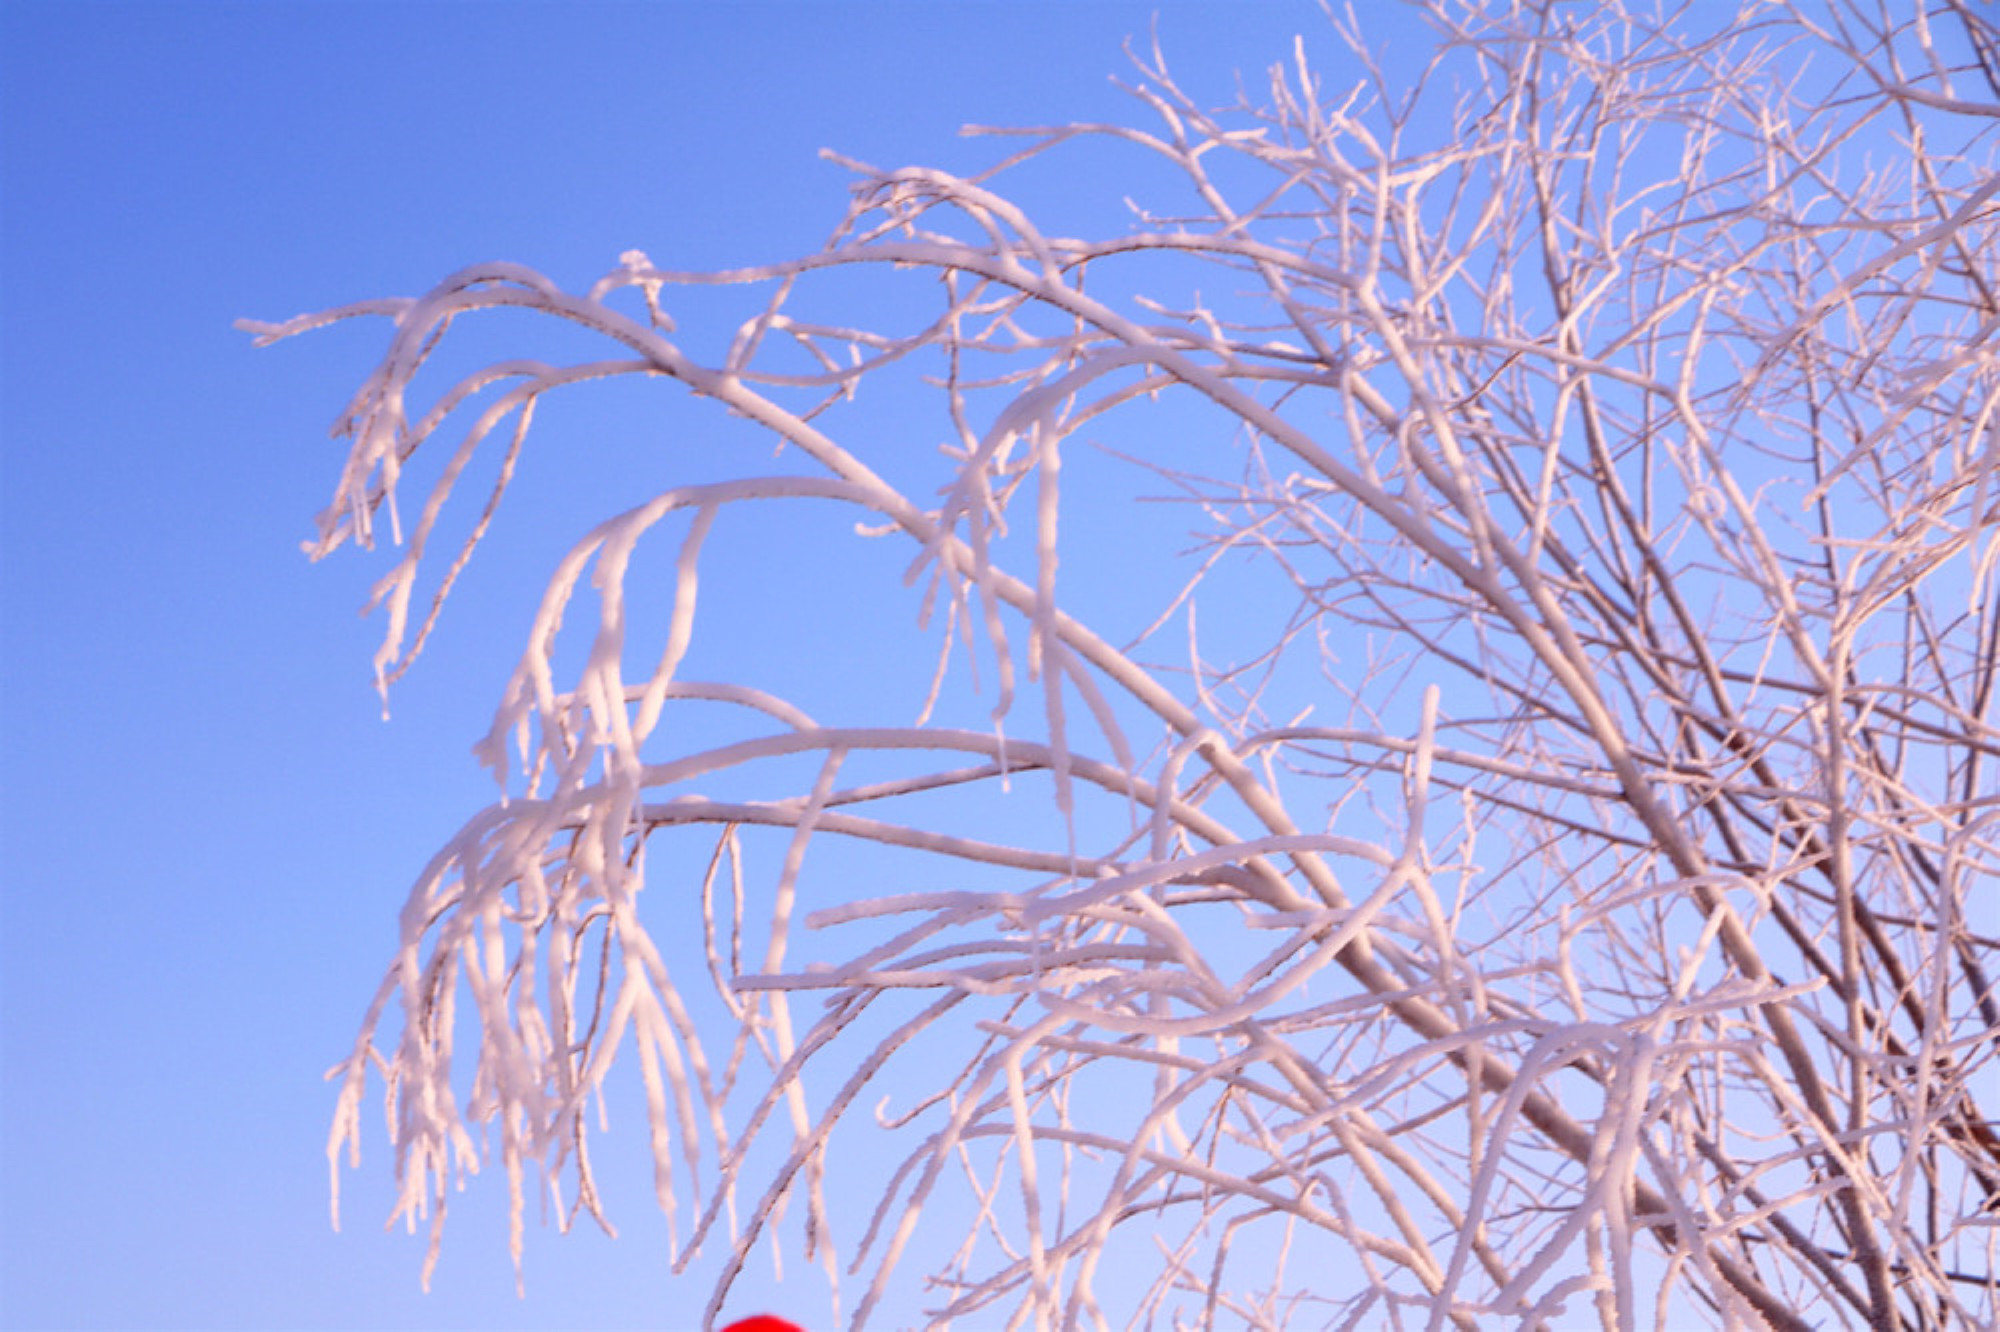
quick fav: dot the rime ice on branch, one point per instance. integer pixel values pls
(1576, 906)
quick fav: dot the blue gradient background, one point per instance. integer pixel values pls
(207, 827)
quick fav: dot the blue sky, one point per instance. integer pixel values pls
(207, 827)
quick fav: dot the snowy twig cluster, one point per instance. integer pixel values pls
(1520, 851)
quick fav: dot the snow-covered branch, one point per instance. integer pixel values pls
(1521, 843)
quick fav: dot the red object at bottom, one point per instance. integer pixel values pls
(762, 1323)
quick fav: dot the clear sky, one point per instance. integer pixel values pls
(207, 827)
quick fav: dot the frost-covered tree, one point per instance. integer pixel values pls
(1509, 837)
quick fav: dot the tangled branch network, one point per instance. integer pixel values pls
(1506, 838)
